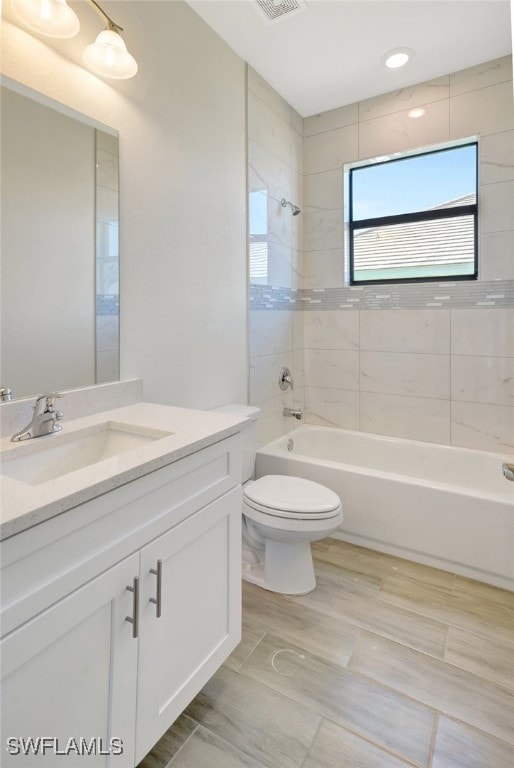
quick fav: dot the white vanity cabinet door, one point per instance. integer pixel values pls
(200, 621)
(70, 673)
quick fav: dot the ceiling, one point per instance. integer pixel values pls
(329, 54)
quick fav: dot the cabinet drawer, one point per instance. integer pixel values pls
(47, 562)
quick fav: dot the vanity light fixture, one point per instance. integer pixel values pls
(53, 18)
(397, 57)
(107, 56)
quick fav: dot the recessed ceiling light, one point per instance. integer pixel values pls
(417, 112)
(396, 58)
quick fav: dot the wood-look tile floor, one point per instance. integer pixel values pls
(387, 664)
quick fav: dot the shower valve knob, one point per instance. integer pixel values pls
(285, 380)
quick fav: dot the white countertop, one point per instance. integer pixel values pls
(24, 506)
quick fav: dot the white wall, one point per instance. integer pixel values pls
(182, 191)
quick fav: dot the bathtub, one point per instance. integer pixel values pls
(447, 507)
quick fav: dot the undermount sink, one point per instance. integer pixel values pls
(57, 455)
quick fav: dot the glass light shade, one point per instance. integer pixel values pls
(53, 18)
(108, 56)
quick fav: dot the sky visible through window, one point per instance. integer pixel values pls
(414, 183)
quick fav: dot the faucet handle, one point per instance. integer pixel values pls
(46, 402)
(285, 379)
(50, 399)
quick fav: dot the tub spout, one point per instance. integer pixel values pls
(296, 412)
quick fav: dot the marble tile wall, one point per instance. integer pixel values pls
(440, 375)
(424, 361)
(431, 362)
(275, 171)
(474, 102)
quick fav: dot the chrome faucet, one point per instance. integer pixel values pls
(44, 419)
(296, 412)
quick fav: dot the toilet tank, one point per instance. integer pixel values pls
(248, 435)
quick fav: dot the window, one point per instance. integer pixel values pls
(415, 217)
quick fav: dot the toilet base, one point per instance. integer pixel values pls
(284, 567)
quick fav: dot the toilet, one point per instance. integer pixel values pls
(281, 516)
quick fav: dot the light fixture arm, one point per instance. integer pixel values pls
(110, 23)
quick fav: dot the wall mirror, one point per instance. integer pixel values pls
(59, 242)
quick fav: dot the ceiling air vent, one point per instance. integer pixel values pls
(275, 10)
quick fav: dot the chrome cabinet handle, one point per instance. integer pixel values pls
(134, 619)
(508, 471)
(157, 600)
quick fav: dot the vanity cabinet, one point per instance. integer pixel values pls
(68, 673)
(74, 664)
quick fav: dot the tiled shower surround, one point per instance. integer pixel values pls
(428, 361)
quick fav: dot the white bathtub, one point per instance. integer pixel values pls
(442, 506)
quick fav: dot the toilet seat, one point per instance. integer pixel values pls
(291, 498)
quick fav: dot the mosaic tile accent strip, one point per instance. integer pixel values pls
(107, 305)
(268, 297)
(456, 295)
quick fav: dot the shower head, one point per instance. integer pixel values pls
(294, 208)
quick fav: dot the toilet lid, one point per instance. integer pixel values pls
(283, 495)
